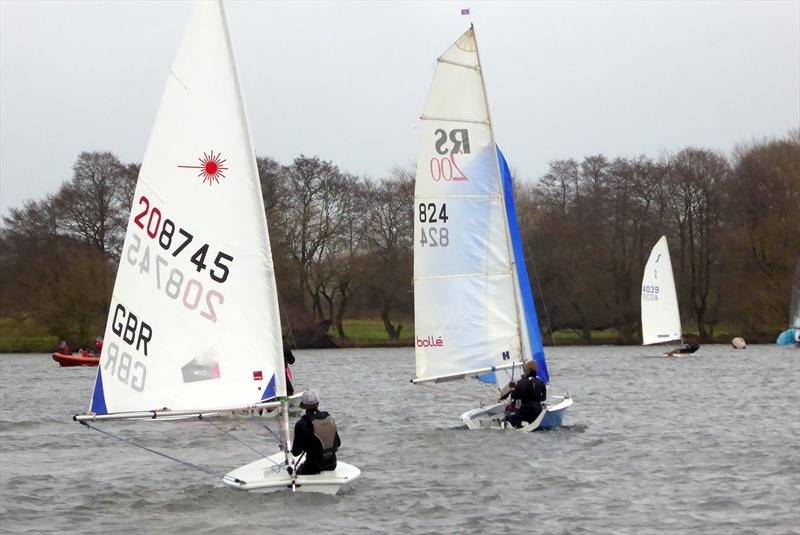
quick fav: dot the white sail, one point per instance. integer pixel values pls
(194, 321)
(661, 320)
(794, 307)
(466, 310)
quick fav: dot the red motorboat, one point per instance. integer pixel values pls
(76, 360)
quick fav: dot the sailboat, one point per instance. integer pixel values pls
(193, 327)
(474, 311)
(661, 319)
(791, 336)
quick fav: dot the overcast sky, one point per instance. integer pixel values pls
(347, 80)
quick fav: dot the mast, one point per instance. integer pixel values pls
(524, 342)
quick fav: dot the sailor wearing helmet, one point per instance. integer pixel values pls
(315, 435)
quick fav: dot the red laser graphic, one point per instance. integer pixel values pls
(211, 169)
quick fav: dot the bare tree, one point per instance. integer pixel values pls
(92, 204)
(390, 230)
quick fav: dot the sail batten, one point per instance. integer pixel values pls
(454, 120)
(461, 275)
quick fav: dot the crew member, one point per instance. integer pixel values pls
(527, 396)
(315, 435)
(689, 346)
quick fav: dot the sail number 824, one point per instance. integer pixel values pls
(433, 236)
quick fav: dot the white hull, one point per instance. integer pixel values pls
(491, 417)
(270, 475)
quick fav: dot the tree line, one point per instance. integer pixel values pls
(342, 245)
(732, 224)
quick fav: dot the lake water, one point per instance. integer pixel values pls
(707, 444)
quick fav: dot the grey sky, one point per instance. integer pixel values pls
(347, 81)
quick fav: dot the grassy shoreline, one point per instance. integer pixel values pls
(27, 336)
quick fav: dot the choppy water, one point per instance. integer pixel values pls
(709, 444)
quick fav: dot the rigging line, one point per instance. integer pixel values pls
(486, 388)
(286, 317)
(218, 428)
(541, 294)
(179, 461)
(280, 442)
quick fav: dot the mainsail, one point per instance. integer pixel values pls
(661, 320)
(193, 322)
(472, 304)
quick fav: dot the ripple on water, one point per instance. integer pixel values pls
(651, 445)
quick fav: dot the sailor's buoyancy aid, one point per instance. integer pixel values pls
(325, 431)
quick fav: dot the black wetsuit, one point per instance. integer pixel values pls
(316, 459)
(688, 348)
(531, 392)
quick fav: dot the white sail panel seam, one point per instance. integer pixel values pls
(465, 275)
(457, 64)
(451, 196)
(142, 180)
(178, 78)
(453, 120)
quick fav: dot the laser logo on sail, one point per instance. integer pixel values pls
(211, 167)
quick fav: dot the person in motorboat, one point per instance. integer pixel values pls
(689, 346)
(527, 396)
(315, 436)
(98, 344)
(63, 348)
(288, 358)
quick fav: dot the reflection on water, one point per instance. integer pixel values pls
(709, 443)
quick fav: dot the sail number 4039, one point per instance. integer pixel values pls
(650, 293)
(430, 213)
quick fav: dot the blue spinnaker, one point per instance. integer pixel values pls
(531, 319)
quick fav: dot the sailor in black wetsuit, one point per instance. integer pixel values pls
(527, 396)
(689, 346)
(315, 434)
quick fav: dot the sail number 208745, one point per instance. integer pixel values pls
(149, 220)
(435, 235)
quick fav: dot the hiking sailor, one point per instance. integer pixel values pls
(689, 346)
(527, 396)
(315, 435)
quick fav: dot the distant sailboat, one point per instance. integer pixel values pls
(661, 319)
(791, 336)
(193, 327)
(473, 307)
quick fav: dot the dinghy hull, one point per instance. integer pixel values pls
(491, 417)
(75, 360)
(270, 475)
